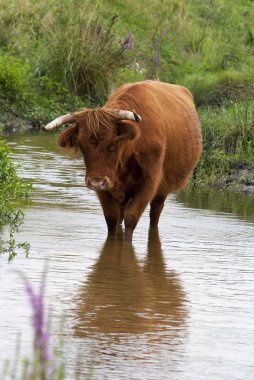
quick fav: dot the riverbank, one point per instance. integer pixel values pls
(10, 124)
(239, 179)
(217, 170)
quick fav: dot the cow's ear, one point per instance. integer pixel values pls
(68, 137)
(128, 130)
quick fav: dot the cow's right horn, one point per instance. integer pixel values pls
(129, 115)
(65, 119)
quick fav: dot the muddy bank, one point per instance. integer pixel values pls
(244, 178)
(240, 179)
(10, 124)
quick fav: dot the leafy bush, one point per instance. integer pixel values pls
(12, 190)
(34, 98)
(14, 78)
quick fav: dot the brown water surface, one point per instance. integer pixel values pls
(176, 305)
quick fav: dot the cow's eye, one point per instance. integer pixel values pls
(94, 141)
(111, 148)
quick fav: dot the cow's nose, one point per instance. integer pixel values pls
(98, 183)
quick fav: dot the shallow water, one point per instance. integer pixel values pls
(175, 305)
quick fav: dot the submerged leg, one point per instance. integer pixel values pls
(111, 210)
(121, 217)
(137, 205)
(157, 205)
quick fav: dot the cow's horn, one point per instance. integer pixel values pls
(65, 119)
(129, 115)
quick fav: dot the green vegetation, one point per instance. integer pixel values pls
(12, 190)
(32, 99)
(57, 56)
(228, 134)
(207, 47)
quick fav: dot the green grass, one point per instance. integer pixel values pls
(231, 129)
(228, 146)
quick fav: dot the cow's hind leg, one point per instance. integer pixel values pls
(157, 205)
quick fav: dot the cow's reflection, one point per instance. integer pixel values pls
(123, 295)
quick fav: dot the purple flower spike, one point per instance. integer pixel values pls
(128, 42)
(41, 334)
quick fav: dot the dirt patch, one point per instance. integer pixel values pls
(240, 179)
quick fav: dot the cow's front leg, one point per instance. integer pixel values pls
(111, 210)
(157, 205)
(137, 205)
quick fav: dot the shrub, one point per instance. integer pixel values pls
(14, 78)
(12, 190)
(34, 98)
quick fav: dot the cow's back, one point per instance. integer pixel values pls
(182, 135)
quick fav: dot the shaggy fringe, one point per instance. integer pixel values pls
(98, 119)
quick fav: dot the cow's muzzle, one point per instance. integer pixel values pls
(98, 183)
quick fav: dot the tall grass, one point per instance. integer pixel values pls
(228, 139)
(83, 55)
(68, 42)
(230, 130)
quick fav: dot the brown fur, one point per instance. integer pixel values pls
(149, 160)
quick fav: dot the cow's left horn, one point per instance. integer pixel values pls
(65, 119)
(129, 115)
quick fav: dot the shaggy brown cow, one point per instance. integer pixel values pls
(140, 146)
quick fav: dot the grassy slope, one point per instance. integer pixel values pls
(205, 46)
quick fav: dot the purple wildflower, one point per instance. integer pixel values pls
(128, 42)
(164, 33)
(156, 57)
(41, 334)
